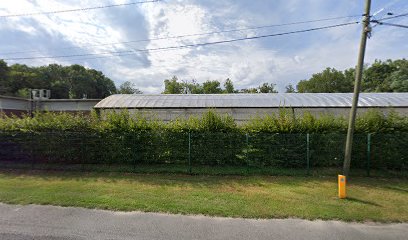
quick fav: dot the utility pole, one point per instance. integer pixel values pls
(359, 74)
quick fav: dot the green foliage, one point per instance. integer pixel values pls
(374, 77)
(372, 121)
(399, 79)
(4, 69)
(290, 89)
(381, 76)
(128, 88)
(277, 140)
(212, 87)
(249, 90)
(73, 81)
(229, 86)
(209, 121)
(286, 122)
(267, 88)
(48, 122)
(375, 121)
(192, 87)
(328, 81)
(124, 121)
(213, 122)
(173, 86)
(23, 93)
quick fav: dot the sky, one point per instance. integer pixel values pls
(281, 60)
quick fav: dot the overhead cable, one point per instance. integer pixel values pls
(194, 34)
(75, 9)
(185, 46)
(390, 24)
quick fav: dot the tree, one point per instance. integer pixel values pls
(212, 87)
(172, 86)
(267, 88)
(64, 81)
(21, 76)
(23, 93)
(128, 88)
(399, 79)
(248, 90)
(290, 89)
(375, 76)
(192, 87)
(229, 86)
(329, 80)
(4, 71)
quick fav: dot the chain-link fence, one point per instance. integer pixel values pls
(208, 153)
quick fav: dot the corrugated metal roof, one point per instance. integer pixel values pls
(266, 100)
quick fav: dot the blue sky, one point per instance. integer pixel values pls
(281, 60)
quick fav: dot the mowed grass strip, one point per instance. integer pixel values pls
(370, 199)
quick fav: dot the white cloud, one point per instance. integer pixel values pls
(281, 60)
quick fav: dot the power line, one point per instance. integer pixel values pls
(390, 24)
(129, 52)
(392, 17)
(377, 21)
(386, 6)
(197, 34)
(75, 9)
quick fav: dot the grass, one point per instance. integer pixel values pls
(199, 169)
(370, 199)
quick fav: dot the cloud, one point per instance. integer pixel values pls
(281, 60)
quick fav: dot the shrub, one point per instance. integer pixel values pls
(277, 140)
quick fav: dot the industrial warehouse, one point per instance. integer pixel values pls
(241, 107)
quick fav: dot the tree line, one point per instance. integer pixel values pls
(174, 86)
(381, 76)
(76, 81)
(65, 82)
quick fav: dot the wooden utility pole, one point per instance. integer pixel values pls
(359, 74)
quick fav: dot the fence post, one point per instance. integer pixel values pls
(247, 150)
(308, 153)
(32, 150)
(189, 153)
(135, 153)
(368, 153)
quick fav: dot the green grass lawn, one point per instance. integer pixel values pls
(376, 199)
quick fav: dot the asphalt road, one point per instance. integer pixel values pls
(60, 223)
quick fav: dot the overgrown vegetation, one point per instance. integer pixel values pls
(372, 121)
(275, 141)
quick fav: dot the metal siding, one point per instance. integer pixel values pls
(252, 100)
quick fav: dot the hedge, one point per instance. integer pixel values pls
(213, 140)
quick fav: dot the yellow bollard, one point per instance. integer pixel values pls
(342, 186)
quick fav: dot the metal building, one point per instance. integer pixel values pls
(20, 106)
(243, 107)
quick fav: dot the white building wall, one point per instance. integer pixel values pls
(21, 105)
(245, 114)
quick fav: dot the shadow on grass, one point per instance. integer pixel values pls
(399, 189)
(168, 179)
(176, 178)
(356, 200)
